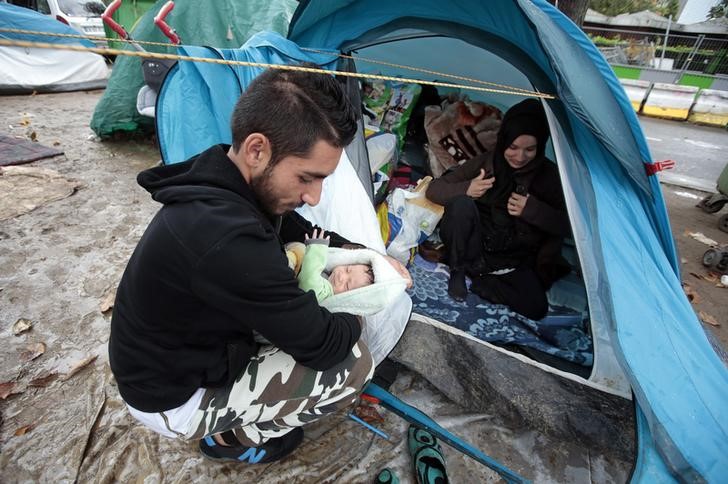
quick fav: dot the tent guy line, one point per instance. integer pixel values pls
(505, 89)
(85, 37)
(419, 69)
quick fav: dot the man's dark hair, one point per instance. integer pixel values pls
(294, 110)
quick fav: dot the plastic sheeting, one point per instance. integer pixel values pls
(218, 23)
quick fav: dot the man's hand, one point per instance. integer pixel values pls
(401, 269)
(516, 204)
(479, 185)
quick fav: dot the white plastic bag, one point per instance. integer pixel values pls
(412, 218)
(381, 149)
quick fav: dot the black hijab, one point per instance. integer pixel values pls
(524, 118)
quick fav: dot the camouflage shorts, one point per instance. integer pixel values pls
(274, 394)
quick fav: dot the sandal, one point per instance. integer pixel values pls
(386, 476)
(429, 463)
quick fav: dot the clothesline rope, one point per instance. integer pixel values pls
(157, 55)
(307, 49)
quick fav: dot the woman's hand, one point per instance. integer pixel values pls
(401, 269)
(479, 185)
(516, 204)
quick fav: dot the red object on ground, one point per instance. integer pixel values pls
(369, 398)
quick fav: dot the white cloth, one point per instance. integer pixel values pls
(345, 208)
(368, 300)
(178, 419)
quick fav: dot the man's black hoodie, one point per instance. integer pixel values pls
(208, 271)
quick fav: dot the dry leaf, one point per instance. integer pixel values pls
(78, 367)
(712, 277)
(369, 414)
(707, 318)
(23, 430)
(107, 301)
(33, 351)
(693, 296)
(21, 326)
(33, 136)
(6, 389)
(44, 380)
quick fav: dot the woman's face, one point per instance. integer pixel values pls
(521, 151)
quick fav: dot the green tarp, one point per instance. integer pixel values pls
(126, 16)
(216, 23)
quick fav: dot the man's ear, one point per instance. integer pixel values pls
(255, 151)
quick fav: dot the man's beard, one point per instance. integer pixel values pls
(262, 187)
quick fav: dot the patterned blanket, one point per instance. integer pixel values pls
(562, 333)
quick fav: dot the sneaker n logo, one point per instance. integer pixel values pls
(253, 455)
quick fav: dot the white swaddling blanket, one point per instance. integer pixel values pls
(346, 209)
(368, 300)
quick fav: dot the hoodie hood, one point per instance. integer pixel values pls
(208, 176)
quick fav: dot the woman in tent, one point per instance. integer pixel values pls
(505, 217)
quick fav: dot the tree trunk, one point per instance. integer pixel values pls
(574, 9)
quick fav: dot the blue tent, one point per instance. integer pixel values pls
(12, 16)
(643, 326)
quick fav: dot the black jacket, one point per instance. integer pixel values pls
(209, 270)
(534, 239)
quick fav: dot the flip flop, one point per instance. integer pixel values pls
(429, 464)
(386, 476)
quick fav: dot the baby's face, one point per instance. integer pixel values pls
(346, 278)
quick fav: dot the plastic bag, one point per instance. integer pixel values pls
(388, 106)
(382, 152)
(410, 219)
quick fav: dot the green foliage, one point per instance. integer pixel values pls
(617, 7)
(615, 41)
(600, 41)
(667, 8)
(719, 11)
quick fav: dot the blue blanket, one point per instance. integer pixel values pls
(562, 333)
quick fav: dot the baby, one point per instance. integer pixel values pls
(312, 277)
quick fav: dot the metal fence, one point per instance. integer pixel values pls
(687, 53)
